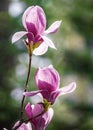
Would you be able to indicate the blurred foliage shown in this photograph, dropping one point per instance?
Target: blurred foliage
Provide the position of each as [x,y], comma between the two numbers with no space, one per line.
[73,60]
[7,64]
[81,15]
[81,63]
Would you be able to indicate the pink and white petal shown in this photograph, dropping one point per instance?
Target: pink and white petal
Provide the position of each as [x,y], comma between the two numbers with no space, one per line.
[68,89]
[53,28]
[41,20]
[48,42]
[37,109]
[28,110]
[25,16]
[32,93]
[16,124]
[47,117]
[42,49]
[18,35]
[25,127]
[50,115]
[28,126]
[47,79]
[65,90]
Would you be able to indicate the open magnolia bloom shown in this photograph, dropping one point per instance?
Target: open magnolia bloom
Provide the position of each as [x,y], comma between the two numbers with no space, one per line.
[24,126]
[38,117]
[47,80]
[34,22]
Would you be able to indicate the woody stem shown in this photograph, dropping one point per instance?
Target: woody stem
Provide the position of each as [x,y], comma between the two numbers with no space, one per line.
[26,84]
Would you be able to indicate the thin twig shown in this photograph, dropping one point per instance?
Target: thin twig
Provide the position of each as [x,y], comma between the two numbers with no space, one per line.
[26,87]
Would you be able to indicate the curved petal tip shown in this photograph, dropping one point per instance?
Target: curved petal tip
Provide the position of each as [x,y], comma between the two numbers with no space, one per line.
[18,35]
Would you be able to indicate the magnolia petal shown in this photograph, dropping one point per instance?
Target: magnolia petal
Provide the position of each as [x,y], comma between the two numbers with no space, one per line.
[47,79]
[53,28]
[46,119]
[37,109]
[50,115]
[16,124]
[34,20]
[32,93]
[68,89]
[24,126]
[28,110]
[18,35]
[34,110]
[41,20]
[48,42]
[28,125]
[25,15]
[42,49]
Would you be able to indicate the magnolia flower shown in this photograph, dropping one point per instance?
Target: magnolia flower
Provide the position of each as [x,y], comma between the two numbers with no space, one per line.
[47,80]
[37,117]
[24,126]
[34,22]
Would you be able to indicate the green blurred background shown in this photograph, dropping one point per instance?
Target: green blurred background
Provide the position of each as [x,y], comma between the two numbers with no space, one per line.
[73,60]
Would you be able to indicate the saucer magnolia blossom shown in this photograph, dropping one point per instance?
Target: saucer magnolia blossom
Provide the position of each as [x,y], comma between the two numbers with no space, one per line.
[47,80]
[34,22]
[38,117]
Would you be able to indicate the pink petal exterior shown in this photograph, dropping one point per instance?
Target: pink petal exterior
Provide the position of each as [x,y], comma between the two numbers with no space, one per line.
[68,89]
[42,49]
[64,90]
[34,20]
[49,115]
[53,28]
[25,15]
[48,77]
[24,126]
[48,42]
[32,111]
[42,120]
[32,93]
[18,35]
